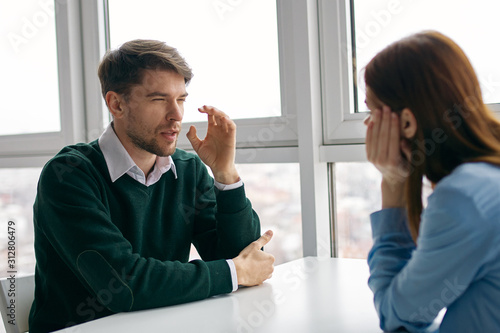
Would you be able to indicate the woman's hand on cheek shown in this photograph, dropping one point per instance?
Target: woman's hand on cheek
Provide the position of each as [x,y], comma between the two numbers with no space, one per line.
[383,148]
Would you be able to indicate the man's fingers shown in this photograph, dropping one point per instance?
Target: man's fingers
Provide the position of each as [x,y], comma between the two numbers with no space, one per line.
[212,111]
[193,138]
[218,118]
[223,122]
[264,239]
[228,125]
[211,117]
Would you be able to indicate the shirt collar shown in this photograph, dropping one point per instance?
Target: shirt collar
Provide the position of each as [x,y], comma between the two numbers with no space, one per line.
[119,161]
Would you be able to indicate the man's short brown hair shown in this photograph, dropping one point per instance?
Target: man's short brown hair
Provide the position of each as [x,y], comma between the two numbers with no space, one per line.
[124,67]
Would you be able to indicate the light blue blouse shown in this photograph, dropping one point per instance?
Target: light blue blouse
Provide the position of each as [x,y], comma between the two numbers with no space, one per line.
[456,264]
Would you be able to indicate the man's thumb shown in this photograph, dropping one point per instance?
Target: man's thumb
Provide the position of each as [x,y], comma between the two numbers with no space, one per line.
[264,239]
[193,138]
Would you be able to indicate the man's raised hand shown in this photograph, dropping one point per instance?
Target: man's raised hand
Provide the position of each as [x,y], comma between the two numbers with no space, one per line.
[217,150]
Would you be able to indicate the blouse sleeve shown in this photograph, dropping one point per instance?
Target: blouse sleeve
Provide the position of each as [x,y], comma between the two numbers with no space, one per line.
[412,284]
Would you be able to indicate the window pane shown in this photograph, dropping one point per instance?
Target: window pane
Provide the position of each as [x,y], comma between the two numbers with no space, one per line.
[274,191]
[470,23]
[29,88]
[17,195]
[357,197]
[232,47]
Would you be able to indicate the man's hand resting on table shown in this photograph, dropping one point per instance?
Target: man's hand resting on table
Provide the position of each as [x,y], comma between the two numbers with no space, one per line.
[254,266]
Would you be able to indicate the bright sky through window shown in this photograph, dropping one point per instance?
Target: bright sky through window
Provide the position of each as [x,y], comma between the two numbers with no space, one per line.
[472,24]
[232,47]
[29,85]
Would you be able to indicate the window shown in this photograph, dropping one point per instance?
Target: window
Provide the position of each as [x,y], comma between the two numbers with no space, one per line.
[355,183]
[376,24]
[356,198]
[234,57]
[43,108]
[381,22]
[274,191]
[31,97]
[285,71]
[237,60]
[17,195]
[236,64]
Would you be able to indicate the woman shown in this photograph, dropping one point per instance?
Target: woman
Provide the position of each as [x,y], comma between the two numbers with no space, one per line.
[428,119]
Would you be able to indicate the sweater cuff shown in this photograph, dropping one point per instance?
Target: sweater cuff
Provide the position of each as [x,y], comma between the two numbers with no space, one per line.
[389,220]
[231,201]
[220,277]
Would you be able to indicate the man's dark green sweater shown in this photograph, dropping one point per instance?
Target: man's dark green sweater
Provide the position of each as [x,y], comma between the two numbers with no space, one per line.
[104,247]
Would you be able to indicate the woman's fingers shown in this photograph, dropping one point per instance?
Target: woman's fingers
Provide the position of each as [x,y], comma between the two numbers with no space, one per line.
[384,136]
[394,153]
[374,140]
[368,140]
[383,143]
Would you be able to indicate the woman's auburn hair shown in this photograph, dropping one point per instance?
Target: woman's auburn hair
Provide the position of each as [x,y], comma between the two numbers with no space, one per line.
[430,74]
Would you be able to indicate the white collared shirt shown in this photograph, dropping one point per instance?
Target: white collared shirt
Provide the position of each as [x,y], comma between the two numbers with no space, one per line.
[119,163]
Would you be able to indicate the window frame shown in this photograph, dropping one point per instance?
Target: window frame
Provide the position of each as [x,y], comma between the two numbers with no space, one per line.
[342,125]
[316,128]
[77,124]
[269,132]
[82,37]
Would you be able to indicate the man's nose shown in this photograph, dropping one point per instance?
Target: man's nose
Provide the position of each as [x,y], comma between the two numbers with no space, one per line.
[175,112]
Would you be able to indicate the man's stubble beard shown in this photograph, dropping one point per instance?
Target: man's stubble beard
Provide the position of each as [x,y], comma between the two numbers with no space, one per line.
[151,146]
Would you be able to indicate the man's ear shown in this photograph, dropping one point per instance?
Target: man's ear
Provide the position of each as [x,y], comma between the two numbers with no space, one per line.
[115,104]
[408,123]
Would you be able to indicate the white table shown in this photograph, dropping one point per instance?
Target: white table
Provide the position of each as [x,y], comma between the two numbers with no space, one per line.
[306,295]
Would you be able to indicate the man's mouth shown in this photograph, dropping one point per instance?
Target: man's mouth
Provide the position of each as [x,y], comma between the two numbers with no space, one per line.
[170,135]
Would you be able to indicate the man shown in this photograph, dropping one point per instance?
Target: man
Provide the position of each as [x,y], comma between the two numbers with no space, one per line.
[114,219]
